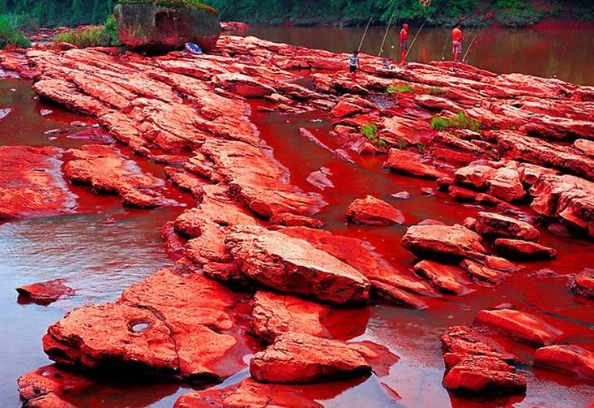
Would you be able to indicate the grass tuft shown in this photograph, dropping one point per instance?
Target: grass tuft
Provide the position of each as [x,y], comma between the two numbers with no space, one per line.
[10,36]
[370,132]
[460,121]
[106,36]
[400,89]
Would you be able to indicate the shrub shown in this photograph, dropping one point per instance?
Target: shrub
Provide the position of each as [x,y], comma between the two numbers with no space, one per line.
[10,36]
[400,89]
[516,13]
[370,132]
[106,36]
[460,121]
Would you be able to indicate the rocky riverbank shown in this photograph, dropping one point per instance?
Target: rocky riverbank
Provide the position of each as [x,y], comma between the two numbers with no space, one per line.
[256,274]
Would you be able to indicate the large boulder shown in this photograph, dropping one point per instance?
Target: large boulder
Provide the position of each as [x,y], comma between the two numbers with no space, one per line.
[160,26]
[570,358]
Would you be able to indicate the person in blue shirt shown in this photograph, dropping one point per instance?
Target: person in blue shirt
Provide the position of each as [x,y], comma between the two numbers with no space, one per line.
[354,65]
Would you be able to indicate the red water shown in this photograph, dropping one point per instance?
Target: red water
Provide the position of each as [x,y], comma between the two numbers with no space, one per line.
[558,50]
[107,247]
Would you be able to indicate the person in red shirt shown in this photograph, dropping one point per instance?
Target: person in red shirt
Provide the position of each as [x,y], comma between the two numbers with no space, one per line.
[457,39]
[403,44]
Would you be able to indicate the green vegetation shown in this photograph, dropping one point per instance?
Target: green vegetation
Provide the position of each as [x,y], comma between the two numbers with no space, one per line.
[400,89]
[50,13]
[460,121]
[10,36]
[370,132]
[35,13]
[435,91]
[198,4]
[92,36]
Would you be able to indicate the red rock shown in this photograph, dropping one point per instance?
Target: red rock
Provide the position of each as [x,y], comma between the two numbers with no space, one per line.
[274,315]
[445,277]
[496,225]
[475,175]
[258,180]
[292,220]
[236,26]
[566,197]
[293,265]
[570,359]
[500,264]
[403,195]
[475,364]
[482,273]
[410,163]
[443,242]
[31,184]
[44,293]
[174,244]
[407,130]
[304,359]
[482,375]
[346,108]
[43,387]
[169,325]
[539,152]
[251,394]
[505,184]
[374,211]
[585,146]
[393,295]
[583,283]
[107,171]
[359,254]
[519,325]
[184,179]
[518,249]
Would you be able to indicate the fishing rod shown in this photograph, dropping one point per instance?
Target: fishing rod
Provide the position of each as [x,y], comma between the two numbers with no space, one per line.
[415,39]
[364,33]
[381,51]
[478,35]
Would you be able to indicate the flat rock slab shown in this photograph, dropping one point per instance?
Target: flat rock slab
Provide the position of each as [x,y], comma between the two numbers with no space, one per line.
[44,387]
[251,394]
[293,265]
[274,315]
[523,250]
[477,365]
[296,358]
[411,163]
[570,359]
[373,211]
[447,278]
[106,170]
[501,226]
[442,242]
[31,183]
[168,325]
[44,293]
[519,325]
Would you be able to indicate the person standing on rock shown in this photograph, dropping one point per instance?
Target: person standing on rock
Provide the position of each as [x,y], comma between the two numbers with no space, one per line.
[354,65]
[457,39]
[403,44]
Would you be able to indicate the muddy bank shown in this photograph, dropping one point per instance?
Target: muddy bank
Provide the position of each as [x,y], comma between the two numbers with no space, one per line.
[257,228]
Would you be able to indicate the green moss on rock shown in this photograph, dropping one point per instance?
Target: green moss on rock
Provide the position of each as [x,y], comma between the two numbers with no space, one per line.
[166,25]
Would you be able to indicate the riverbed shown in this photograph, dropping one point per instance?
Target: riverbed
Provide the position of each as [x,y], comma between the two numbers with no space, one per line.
[104,247]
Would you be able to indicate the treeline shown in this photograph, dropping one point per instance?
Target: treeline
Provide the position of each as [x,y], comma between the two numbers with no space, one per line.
[434,12]
[338,12]
[42,13]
